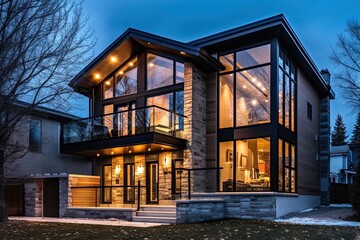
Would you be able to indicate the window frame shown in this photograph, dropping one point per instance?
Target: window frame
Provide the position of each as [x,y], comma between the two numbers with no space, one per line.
[234,71]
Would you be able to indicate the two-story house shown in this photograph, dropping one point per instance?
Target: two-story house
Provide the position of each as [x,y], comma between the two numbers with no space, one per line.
[343,163]
[236,123]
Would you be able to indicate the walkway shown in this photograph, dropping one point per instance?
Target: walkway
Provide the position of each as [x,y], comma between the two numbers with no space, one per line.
[108,222]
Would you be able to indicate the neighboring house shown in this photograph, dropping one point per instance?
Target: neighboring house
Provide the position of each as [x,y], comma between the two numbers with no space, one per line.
[343,164]
[237,121]
[38,158]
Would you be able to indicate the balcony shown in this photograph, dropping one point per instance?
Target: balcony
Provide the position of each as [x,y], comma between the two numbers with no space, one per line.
[135,127]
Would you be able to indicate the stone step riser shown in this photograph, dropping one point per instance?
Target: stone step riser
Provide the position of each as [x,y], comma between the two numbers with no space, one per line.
[156,214]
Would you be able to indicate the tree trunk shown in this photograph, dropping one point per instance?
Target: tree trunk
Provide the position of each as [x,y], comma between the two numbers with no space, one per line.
[3,215]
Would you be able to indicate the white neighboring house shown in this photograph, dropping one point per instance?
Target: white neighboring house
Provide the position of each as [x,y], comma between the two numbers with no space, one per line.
[342,164]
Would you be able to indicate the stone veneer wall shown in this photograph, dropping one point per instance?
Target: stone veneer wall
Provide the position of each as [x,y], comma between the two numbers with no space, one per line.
[119,213]
[195,126]
[33,197]
[64,191]
[193,211]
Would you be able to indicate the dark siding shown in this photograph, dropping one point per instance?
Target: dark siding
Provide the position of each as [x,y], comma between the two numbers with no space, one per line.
[211,126]
[308,131]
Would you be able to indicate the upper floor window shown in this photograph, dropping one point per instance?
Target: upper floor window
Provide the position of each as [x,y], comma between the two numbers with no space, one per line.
[163,72]
[287,84]
[309,110]
[245,85]
[35,135]
[124,80]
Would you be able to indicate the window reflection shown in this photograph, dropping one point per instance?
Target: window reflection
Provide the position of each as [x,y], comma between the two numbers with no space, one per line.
[108,89]
[228,62]
[253,57]
[159,71]
[126,79]
[253,96]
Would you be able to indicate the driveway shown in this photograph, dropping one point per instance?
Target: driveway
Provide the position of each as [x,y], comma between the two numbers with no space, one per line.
[333,215]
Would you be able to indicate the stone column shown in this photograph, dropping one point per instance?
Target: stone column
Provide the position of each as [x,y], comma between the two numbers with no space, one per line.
[63,195]
[33,197]
[195,127]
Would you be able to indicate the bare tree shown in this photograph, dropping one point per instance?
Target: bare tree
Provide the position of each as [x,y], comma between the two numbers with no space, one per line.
[347,59]
[42,46]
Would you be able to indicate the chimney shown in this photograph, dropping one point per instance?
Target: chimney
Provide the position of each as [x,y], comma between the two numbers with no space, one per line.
[326,75]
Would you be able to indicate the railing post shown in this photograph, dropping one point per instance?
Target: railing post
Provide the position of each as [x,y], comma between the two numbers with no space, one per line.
[138,204]
[189,187]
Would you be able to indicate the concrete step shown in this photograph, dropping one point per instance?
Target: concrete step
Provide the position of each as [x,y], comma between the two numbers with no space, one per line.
[154,219]
[156,214]
[159,208]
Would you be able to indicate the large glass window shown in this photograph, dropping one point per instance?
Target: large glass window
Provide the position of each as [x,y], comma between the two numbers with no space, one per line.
[108,119]
[126,79]
[287,91]
[164,120]
[160,71]
[251,69]
[226,95]
[250,162]
[226,156]
[287,166]
[35,135]
[108,88]
[252,96]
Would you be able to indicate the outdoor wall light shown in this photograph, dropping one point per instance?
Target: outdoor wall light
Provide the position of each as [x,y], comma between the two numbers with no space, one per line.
[117,169]
[140,169]
[165,166]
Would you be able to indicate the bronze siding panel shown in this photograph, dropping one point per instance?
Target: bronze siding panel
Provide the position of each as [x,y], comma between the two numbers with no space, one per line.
[308,131]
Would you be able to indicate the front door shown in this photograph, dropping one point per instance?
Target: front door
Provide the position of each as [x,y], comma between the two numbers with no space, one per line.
[176,176]
[51,197]
[107,182]
[152,182]
[126,119]
[129,177]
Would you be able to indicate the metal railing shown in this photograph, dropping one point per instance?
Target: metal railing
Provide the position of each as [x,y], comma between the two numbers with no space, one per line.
[188,177]
[124,123]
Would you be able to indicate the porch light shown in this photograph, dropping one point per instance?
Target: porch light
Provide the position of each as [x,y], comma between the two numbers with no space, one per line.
[131,64]
[98,154]
[183,53]
[97,76]
[149,149]
[140,169]
[117,169]
[112,153]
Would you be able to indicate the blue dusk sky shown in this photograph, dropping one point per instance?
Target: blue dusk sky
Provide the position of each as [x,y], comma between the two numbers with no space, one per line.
[316,23]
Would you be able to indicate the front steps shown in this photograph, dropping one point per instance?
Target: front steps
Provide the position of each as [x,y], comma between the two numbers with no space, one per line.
[156,214]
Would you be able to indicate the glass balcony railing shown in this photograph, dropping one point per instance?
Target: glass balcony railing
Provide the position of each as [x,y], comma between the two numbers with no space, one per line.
[124,123]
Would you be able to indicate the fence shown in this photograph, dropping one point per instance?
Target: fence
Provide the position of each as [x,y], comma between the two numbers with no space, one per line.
[341,193]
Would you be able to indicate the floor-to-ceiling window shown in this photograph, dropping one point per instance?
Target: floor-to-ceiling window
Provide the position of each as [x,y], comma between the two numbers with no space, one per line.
[246,88]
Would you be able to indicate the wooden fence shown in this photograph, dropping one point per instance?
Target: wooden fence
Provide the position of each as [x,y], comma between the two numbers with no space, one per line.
[341,193]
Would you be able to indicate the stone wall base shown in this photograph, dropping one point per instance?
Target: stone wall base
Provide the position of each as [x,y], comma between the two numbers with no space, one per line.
[100,213]
[264,206]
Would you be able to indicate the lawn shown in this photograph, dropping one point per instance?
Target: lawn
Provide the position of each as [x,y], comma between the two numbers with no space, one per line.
[227,229]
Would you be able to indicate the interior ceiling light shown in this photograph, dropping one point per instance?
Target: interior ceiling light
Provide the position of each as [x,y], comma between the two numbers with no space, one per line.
[149,149]
[148,43]
[244,86]
[129,151]
[151,64]
[108,83]
[254,102]
[259,84]
[121,72]
[253,79]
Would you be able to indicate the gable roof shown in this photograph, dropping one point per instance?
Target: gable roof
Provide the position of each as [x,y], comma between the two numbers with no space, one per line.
[133,41]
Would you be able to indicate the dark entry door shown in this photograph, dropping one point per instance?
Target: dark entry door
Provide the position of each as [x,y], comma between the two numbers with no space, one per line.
[129,180]
[51,197]
[14,198]
[152,182]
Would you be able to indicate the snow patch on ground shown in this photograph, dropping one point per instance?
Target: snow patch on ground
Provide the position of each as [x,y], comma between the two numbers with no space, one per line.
[345,205]
[313,221]
[307,210]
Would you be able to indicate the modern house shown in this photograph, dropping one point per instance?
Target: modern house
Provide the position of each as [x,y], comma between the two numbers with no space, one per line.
[232,125]
[38,163]
[343,163]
